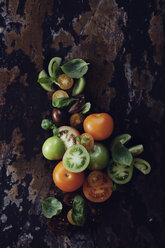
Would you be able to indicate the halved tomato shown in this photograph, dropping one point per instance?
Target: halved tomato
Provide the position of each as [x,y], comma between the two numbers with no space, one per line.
[97,187]
[65,82]
[68,135]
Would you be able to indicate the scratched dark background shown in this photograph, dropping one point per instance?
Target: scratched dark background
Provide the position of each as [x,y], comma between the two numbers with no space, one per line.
[124,43]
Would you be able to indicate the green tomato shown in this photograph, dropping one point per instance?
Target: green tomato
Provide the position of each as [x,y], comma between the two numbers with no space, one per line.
[99,157]
[53,148]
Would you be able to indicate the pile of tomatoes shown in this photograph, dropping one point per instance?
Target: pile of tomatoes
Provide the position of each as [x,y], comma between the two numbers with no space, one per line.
[82,155]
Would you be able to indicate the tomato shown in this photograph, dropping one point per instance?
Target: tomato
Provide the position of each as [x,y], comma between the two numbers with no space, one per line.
[59,94]
[65,180]
[100,126]
[120,174]
[99,157]
[65,82]
[70,219]
[59,116]
[87,141]
[97,186]
[76,120]
[76,158]
[68,135]
[53,148]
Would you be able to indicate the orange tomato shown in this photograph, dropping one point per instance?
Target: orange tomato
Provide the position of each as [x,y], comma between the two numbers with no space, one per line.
[100,125]
[65,180]
[97,187]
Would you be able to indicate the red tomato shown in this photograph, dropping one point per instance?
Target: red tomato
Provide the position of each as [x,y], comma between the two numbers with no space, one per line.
[100,126]
[65,180]
[97,186]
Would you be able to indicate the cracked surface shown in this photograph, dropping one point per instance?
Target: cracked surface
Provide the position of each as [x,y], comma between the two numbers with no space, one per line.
[124,43]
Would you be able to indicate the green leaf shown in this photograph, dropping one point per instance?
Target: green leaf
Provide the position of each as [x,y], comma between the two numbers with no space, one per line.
[62,102]
[42,74]
[47,124]
[78,139]
[55,131]
[45,86]
[75,68]
[121,155]
[86,108]
[51,207]
[79,210]
[84,140]
[53,65]
[113,188]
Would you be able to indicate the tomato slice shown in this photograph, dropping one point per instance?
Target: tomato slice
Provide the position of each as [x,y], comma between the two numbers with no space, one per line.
[68,135]
[78,87]
[76,158]
[59,94]
[97,187]
[65,82]
[70,219]
[142,165]
[120,174]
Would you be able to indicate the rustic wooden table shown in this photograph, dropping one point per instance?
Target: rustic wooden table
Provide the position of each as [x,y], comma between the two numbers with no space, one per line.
[124,43]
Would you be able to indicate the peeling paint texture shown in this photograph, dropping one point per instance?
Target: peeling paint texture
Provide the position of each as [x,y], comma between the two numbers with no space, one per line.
[124,43]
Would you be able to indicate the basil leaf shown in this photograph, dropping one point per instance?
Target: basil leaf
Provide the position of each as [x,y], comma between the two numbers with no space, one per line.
[121,155]
[45,86]
[42,74]
[47,124]
[62,102]
[75,68]
[113,188]
[84,140]
[53,65]
[86,108]
[51,207]
[78,139]
[79,210]
[55,131]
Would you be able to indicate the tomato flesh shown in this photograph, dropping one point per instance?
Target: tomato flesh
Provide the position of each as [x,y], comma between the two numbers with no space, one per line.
[97,192]
[76,158]
[65,82]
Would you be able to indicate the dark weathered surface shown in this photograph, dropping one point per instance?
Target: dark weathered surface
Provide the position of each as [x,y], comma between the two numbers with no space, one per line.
[124,43]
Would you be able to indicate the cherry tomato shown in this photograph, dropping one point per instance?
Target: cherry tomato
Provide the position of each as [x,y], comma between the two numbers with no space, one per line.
[59,94]
[97,187]
[59,117]
[100,126]
[65,180]
[87,141]
[65,82]
[76,120]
